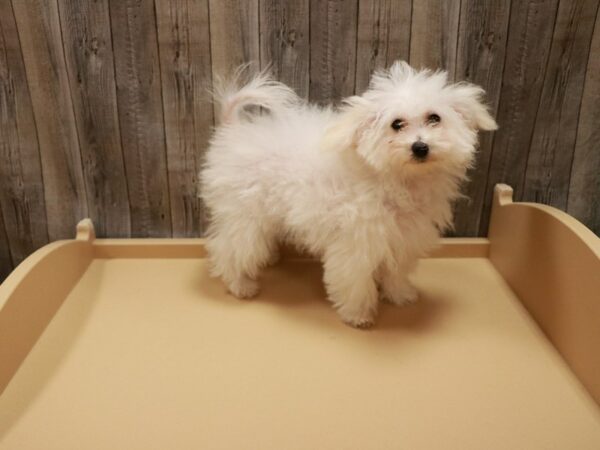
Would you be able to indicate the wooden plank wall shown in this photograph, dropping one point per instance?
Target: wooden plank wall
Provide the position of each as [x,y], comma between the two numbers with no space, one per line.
[104,111]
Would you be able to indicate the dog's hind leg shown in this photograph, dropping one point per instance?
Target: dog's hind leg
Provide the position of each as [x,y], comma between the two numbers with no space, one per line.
[237,253]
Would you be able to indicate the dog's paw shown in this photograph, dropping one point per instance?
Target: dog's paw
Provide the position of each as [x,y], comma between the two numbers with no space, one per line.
[357,320]
[361,324]
[405,295]
[244,288]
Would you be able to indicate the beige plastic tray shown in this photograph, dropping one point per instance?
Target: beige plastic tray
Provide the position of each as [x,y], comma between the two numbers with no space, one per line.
[128,344]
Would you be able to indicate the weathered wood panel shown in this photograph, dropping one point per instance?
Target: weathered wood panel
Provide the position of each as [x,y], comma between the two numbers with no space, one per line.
[64,188]
[480,60]
[553,143]
[383,36]
[184,44]
[584,189]
[88,52]
[6,264]
[21,187]
[284,44]
[434,34]
[527,50]
[234,37]
[141,115]
[333,28]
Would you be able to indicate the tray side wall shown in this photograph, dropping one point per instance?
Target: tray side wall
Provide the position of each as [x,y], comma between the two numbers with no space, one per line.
[194,248]
[552,262]
[32,294]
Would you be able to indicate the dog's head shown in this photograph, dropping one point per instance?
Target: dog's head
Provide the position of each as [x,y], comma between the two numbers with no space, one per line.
[412,121]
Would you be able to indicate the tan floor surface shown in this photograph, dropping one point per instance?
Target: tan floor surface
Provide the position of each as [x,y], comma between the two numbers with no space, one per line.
[150,354]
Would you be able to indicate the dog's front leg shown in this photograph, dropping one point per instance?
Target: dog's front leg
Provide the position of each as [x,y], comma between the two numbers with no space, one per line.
[395,287]
[350,285]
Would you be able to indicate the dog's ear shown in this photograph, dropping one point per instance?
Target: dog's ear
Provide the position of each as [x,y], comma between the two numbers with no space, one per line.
[467,100]
[354,119]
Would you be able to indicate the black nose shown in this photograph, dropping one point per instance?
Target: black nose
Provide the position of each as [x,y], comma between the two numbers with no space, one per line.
[420,150]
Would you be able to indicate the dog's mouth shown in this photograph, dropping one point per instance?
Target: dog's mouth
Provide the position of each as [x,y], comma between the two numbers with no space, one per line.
[424,159]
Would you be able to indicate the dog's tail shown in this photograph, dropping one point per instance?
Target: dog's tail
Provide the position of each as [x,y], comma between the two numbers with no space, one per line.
[246,90]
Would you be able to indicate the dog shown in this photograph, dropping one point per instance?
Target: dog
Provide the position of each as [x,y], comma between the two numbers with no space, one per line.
[367,187]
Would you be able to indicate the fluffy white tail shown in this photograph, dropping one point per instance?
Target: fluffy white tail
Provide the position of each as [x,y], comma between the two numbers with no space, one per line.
[260,90]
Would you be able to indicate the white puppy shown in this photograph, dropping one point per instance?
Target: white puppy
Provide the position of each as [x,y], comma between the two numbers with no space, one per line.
[367,188]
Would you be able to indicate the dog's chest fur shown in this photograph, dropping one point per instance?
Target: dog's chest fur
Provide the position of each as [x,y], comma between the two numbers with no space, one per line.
[412,204]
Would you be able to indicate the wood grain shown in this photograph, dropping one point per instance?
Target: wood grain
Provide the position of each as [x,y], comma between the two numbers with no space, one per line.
[234,37]
[64,188]
[434,34]
[383,36]
[527,50]
[553,143]
[6,264]
[481,49]
[184,44]
[141,115]
[21,187]
[333,34]
[584,187]
[88,52]
[284,42]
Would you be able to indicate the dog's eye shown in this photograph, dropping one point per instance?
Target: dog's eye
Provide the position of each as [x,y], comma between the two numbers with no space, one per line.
[398,124]
[434,118]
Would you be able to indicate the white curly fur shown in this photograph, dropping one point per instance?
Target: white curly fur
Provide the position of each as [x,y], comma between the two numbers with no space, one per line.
[341,184]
